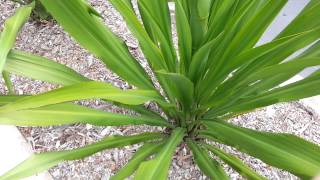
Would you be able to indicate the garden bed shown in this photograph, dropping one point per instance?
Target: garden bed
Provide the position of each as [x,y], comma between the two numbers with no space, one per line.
[49,40]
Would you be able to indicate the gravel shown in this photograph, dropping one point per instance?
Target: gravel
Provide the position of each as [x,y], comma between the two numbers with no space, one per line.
[48,39]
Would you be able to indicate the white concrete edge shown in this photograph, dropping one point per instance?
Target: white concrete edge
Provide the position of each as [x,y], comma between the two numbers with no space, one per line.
[312,103]
[171,6]
[15,149]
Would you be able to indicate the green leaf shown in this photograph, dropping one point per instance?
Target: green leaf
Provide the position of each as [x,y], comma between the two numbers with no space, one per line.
[150,50]
[157,23]
[153,54]
[293,66]
[226,13]
[304,21]
[40,162]
[66,114]
[8,99]
[11,28]
[257,58]
[84,25]
[276,50]
[144,152]
[81,91]
[7,81]
[239,36]
[184,37]
[245,92]
[204,7]
[158,167]
[249,35]
[231,18]
[129,3]
[207,165]
[141,109]
[200,58]
[198,26]
[186,7]
[284,151]
[40,68]
[218,55]
[235,163]
[220,15]
[179,87]
[160,15]
[313,51]
[307,87]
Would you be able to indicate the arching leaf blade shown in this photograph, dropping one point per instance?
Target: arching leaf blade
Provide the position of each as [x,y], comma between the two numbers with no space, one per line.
[41,68]
[67,114]
[84,25]
[10,31]
[208,166]
[81,91]
[144,152]
[40,162]
[235,163]
[8,99]
[184,37]
[304,21]
[157,168]
[157,23]
[269,147]
[150,50]
[178,87]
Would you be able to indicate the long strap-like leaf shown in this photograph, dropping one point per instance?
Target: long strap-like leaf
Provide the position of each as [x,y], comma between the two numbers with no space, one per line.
[157,23]
[66,114]
[307,87]
[8,99]
[256,59]
[184,36]
[308,14]
[8,37]
[150,50]
[11,28]
[178,87]
[144,152]
[235,163]
[158,167]
[266,79]
[40,162]
[208,165]
[296,65]
[81,91]
[284,151]
[218,56]
[41,68]
[84,25]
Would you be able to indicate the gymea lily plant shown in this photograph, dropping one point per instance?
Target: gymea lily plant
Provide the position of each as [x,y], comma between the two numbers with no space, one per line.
[217,72]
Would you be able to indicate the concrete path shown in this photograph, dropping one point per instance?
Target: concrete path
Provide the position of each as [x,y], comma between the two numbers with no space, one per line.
[14,149]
